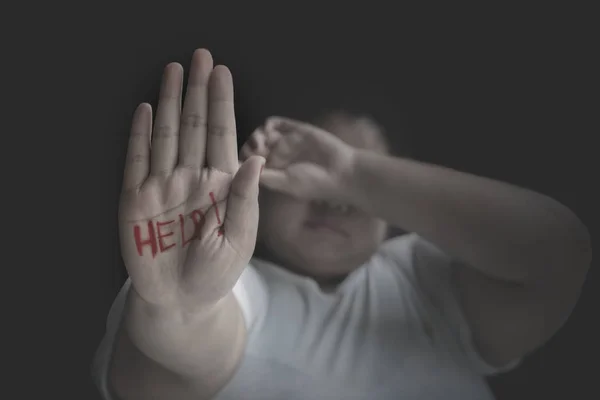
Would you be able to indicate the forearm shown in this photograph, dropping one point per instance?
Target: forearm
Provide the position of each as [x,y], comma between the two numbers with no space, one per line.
[504,231]
[173,357]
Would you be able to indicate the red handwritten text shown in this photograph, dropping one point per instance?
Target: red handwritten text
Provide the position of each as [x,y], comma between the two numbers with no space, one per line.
[159,235]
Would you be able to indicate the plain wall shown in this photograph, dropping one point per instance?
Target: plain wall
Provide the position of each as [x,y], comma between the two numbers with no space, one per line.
[494,105]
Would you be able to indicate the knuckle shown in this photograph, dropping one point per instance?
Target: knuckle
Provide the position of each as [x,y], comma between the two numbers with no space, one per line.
[191,168]
[193,120]
[138,141]
[222,101]
[138,133]
[163,132]
[221,130]
[162,172]
[138,159]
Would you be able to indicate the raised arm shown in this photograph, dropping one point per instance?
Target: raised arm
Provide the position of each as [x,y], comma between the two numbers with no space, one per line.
[188,220]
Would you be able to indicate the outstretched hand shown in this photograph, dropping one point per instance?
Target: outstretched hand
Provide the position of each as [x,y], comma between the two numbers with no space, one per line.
[303,161]
[188,212]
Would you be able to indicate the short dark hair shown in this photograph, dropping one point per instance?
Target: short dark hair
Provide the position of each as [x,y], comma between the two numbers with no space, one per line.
[315,101]
[378,140]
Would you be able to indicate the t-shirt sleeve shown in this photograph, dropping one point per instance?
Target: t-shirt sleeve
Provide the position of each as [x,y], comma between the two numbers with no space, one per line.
[250,292]
[429,271]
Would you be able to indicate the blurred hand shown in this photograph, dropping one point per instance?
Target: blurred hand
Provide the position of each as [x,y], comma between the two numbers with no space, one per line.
[188,212]
[303,160]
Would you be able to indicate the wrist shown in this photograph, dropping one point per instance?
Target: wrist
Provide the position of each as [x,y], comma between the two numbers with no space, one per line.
[141,313]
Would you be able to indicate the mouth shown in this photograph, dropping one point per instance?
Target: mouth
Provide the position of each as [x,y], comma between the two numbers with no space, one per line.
[327,227]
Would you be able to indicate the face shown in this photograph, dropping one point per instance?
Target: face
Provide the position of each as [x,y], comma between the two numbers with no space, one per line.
[318,239]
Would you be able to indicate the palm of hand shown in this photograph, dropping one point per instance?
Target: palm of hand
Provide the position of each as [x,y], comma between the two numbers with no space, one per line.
[173,225]
[184,238]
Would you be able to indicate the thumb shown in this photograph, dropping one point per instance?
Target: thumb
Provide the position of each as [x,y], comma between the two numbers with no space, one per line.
[242,202]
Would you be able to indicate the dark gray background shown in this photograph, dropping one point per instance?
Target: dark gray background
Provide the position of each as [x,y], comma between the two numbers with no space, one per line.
[500,97]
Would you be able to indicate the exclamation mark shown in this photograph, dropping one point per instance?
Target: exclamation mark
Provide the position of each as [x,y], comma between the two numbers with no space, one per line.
[214,202]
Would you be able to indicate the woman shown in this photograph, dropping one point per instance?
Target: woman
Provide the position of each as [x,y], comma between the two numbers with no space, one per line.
[328,308]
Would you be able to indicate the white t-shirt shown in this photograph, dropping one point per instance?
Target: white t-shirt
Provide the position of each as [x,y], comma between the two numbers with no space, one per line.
[392,330]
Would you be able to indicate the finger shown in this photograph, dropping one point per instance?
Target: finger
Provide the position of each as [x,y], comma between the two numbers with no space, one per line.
[249,147]
[192,140]
[285,150]
[222,138]
[137,163]
[255,145]
[272,137]
[245,152]
[283,124]
[241,220]
[166,126]
[264,141]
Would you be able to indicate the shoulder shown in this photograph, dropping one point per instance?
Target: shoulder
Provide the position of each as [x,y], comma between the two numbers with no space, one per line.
[410,250]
